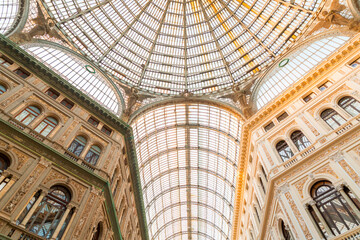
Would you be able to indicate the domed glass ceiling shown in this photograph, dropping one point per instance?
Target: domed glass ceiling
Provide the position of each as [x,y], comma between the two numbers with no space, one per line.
[175,46]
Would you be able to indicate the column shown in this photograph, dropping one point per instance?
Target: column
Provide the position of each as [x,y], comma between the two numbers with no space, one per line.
[340,188]
[62,220]
[306,206]
[322,220]
[287,228]
[32,210]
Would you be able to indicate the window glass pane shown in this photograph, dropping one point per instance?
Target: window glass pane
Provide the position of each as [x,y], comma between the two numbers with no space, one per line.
[299,64]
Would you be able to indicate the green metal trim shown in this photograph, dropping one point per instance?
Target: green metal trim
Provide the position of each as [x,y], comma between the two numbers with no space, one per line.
[27,61]
[61,161]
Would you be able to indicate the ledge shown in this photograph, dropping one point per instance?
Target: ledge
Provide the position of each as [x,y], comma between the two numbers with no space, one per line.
[27,61]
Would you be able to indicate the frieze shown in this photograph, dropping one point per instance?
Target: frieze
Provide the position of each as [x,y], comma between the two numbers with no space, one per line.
[312,128]
[21,157]
[299,185]
[298,216]
[268,155]
[54,175]
[79,188]
[327,169]
[328,99]
[350,171]
[49,107]
[289,220]
[13,97]
[9,208]
[84,216]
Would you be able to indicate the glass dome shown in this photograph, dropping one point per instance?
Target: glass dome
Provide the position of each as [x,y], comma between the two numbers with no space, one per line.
[9,12]
[172,47]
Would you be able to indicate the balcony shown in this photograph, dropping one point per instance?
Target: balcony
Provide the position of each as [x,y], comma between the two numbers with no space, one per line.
[353,122]
[349,235]
[13,231]
[80,161]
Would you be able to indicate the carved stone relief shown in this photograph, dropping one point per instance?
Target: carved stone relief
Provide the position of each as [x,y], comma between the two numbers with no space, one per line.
[10,206]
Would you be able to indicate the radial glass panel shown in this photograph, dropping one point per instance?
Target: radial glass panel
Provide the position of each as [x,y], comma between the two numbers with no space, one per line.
[187,157]
[79,74]
[9,12]
[298,65]
[173,46]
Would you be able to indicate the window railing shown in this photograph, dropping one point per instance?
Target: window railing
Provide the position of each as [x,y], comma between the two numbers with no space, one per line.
[352,234]
[18,233]
[77,159]
[24,127]
[338,131]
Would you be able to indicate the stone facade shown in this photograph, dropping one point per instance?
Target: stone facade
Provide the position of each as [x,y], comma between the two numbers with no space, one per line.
[99,193]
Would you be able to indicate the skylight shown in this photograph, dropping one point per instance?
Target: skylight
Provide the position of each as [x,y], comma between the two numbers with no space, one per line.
[8,14]
[172,46]
[79,73]
[295,66]
[187,155]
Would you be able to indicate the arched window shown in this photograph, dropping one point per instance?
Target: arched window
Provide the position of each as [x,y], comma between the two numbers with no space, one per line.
[2,89]
[93,155]
[46,126]
[97,233]
[4,163]
[300,140]
[284,150]
[332,118]
[28,115]
[49,212]
[334,208]
[77,146]
[285,231]
[28,207]
[350,105]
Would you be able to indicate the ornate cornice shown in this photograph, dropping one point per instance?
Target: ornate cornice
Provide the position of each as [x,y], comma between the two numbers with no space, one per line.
[27,61]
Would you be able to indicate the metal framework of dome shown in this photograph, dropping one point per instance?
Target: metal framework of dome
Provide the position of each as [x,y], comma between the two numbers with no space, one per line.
[176,46]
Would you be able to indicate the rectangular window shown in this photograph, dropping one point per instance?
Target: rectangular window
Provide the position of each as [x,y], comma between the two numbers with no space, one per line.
[309,97]
[67,103]
[52,93]
[22,73]
[355,63]
[5,61]
[93,121]
[282,116]
[269,126]
[324,86]
[106,130]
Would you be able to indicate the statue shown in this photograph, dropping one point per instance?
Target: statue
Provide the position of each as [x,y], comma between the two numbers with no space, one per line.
[241,96]
[42,27]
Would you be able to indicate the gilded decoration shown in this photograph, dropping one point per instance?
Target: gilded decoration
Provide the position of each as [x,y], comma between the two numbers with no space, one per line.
[350,171]
[21,157]
[289,219]
[298,216]
[328,99]
[310,126]
[49,107]
[13,97]
[299,185]
[327,169]
[268,155]
[283,131]
[9,208]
